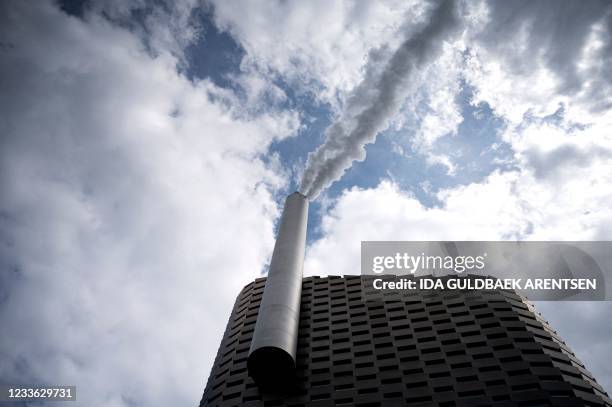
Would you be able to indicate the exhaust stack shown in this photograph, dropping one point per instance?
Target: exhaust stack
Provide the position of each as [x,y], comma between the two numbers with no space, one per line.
[272,357]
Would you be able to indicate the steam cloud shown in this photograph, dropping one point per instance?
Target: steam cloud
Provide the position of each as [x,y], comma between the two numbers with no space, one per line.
[375,101]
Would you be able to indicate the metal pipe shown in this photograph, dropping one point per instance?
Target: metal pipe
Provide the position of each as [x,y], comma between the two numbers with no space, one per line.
[272,356]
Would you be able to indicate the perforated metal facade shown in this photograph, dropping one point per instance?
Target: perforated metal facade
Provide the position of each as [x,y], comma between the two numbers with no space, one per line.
[485,348]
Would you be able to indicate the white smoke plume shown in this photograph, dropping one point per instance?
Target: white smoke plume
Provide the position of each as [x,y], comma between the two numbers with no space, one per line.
[376,100]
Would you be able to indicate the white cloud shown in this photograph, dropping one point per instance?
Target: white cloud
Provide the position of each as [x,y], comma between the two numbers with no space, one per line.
[512,96]
[525,59]
[443,160]
[134,207]
[433,110]
[387,213]
[571,204]
[168,26]
[318,45]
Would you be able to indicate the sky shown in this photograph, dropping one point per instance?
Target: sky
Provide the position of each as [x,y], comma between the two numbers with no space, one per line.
[147,148]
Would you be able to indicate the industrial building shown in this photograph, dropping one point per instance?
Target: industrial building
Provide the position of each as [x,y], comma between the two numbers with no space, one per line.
[337,341]
[479,348]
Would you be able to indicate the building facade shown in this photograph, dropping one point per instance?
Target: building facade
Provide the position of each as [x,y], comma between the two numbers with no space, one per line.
[357,347]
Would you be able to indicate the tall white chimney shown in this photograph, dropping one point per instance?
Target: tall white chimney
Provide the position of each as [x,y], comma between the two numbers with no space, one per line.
[272,356]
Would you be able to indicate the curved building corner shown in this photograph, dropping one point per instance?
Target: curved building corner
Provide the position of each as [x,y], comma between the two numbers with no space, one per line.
[486,348]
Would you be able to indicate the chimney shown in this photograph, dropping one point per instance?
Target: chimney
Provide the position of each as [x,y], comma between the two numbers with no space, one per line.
[272,356]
